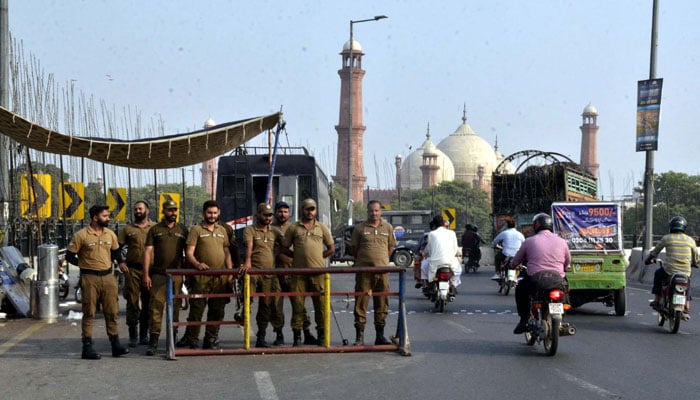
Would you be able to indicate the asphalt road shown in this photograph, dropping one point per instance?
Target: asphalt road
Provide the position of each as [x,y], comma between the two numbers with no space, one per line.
[468,352]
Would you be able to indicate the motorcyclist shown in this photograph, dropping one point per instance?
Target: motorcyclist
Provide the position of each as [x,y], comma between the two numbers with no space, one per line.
[681,255]
[442,249]
[471,240]
[544,254]
[509,242]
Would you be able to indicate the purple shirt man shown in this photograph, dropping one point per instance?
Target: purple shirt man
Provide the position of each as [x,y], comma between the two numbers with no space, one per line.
[544,251]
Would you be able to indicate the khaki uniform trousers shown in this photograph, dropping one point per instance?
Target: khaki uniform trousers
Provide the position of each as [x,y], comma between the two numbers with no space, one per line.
[267,305]
[137,298]
[278,317]
[365,282]
[159,289]
[307,283]
[215,307]
[103,290]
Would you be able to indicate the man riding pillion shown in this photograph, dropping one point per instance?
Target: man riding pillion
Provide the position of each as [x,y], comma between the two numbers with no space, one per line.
[509,241]
[681,255]
[544,254]
[442,249]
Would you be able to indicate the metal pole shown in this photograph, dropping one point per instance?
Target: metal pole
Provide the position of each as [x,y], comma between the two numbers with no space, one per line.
[649,165]
[5,152]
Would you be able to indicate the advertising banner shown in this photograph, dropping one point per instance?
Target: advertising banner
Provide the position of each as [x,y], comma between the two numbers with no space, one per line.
[648,111]
[589,226]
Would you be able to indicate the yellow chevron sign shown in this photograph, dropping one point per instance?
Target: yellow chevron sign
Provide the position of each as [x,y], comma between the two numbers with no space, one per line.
[73,193]
[35,196]
[116,201]
[172,197]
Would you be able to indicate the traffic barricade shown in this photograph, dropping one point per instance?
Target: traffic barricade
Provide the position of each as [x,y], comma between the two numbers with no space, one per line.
[400,341]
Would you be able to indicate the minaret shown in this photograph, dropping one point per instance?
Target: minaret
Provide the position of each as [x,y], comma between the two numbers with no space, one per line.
[397,163]
[351,54]
[429,168]
[589,142]
[209,168]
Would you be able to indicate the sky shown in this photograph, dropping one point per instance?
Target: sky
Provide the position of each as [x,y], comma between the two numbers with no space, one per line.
[524,70]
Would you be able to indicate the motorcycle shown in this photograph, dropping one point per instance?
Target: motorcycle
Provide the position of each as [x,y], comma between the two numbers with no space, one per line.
[508,277]
[674,294]
[545,324]
[470,262]
[441,291]
[63,278]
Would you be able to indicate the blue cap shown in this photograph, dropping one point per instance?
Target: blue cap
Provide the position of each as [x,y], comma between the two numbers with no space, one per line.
[281,204]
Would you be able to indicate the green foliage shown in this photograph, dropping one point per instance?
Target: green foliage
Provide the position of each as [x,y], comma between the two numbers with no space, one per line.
[675,193]
[471,205]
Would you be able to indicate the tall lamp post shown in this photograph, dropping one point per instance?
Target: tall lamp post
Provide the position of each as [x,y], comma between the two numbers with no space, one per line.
[350,128]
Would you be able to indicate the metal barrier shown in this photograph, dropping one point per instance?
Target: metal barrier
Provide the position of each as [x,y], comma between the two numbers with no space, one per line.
[400,341]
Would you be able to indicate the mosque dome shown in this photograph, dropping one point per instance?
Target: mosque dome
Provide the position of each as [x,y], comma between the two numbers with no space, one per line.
[355,46]
[410,173]
[590,109]
[468,151]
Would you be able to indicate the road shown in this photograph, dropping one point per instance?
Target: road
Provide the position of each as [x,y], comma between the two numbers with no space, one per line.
[468,352]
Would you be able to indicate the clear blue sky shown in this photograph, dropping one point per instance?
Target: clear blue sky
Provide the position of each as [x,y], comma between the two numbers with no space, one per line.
[525,70]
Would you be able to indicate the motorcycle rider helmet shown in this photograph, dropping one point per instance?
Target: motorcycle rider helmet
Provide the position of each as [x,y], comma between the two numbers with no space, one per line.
[677,224]
[475,228]
[542,221]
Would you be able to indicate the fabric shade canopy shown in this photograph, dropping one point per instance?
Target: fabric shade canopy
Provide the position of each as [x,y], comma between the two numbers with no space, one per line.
[172,151]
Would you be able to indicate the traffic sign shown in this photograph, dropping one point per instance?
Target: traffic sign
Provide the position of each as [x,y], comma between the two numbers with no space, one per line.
[170,197]
[450,215]
[74,195]
[36,196]
[116,201]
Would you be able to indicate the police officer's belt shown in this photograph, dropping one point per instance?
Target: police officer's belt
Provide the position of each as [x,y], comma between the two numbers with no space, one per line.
[95,272]
[134,265]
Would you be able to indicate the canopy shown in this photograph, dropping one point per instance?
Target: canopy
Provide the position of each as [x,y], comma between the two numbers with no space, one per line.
[172,151]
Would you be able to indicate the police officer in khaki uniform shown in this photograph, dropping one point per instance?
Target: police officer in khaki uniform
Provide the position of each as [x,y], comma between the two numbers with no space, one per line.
[260,239]
[93,249]
[165,249]
[284,261]
[372,243]
[309,238]
[207,247]
[133,237]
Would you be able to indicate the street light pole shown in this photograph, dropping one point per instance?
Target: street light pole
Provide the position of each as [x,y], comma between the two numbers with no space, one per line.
[350,127]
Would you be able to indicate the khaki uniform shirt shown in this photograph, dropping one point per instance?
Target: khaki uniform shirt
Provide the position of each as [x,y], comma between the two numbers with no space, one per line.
[372,244]
[263,256]
[309,244]
[168,246]
[93,250]
[134,237]
[282,260]
[209,245]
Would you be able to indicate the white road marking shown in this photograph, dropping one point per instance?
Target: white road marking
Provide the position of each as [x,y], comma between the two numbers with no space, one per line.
[265,387]
[586,385]
[462,328]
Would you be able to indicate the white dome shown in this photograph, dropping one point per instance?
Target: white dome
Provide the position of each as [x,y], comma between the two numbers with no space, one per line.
[209,123]
[355,45]
[412,176]
[590,109]
[468,152]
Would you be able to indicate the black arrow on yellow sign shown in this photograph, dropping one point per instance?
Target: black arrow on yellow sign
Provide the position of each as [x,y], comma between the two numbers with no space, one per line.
[449,215]
[75,202]
[119,205]
[40,196]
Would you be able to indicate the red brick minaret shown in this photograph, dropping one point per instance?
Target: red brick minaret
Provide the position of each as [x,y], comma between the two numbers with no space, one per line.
[589,141]
[209,169]
[351,54]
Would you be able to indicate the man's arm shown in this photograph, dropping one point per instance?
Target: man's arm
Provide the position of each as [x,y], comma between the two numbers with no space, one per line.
[147,259]
[189,255]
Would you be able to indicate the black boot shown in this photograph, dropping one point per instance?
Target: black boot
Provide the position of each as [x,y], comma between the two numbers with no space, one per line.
[309,338]
[359,336]
[279,340]
[133,335]
[88,352]
[297,338]
[117,348]
[380,340]
[143,334]
[261,340]
[321,336]
[152,345]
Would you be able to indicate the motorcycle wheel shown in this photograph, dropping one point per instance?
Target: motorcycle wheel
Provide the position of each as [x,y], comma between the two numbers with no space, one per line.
[440,305]
[674,322]
[529,337]
[78,295]
[507,289]
[660,319]
[551,335]
[63,290]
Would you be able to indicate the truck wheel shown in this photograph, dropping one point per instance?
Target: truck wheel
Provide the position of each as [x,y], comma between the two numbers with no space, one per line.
[403,259]
[620,298]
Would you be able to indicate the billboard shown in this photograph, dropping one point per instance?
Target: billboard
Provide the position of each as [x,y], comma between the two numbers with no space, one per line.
[648,112]
[589,226]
